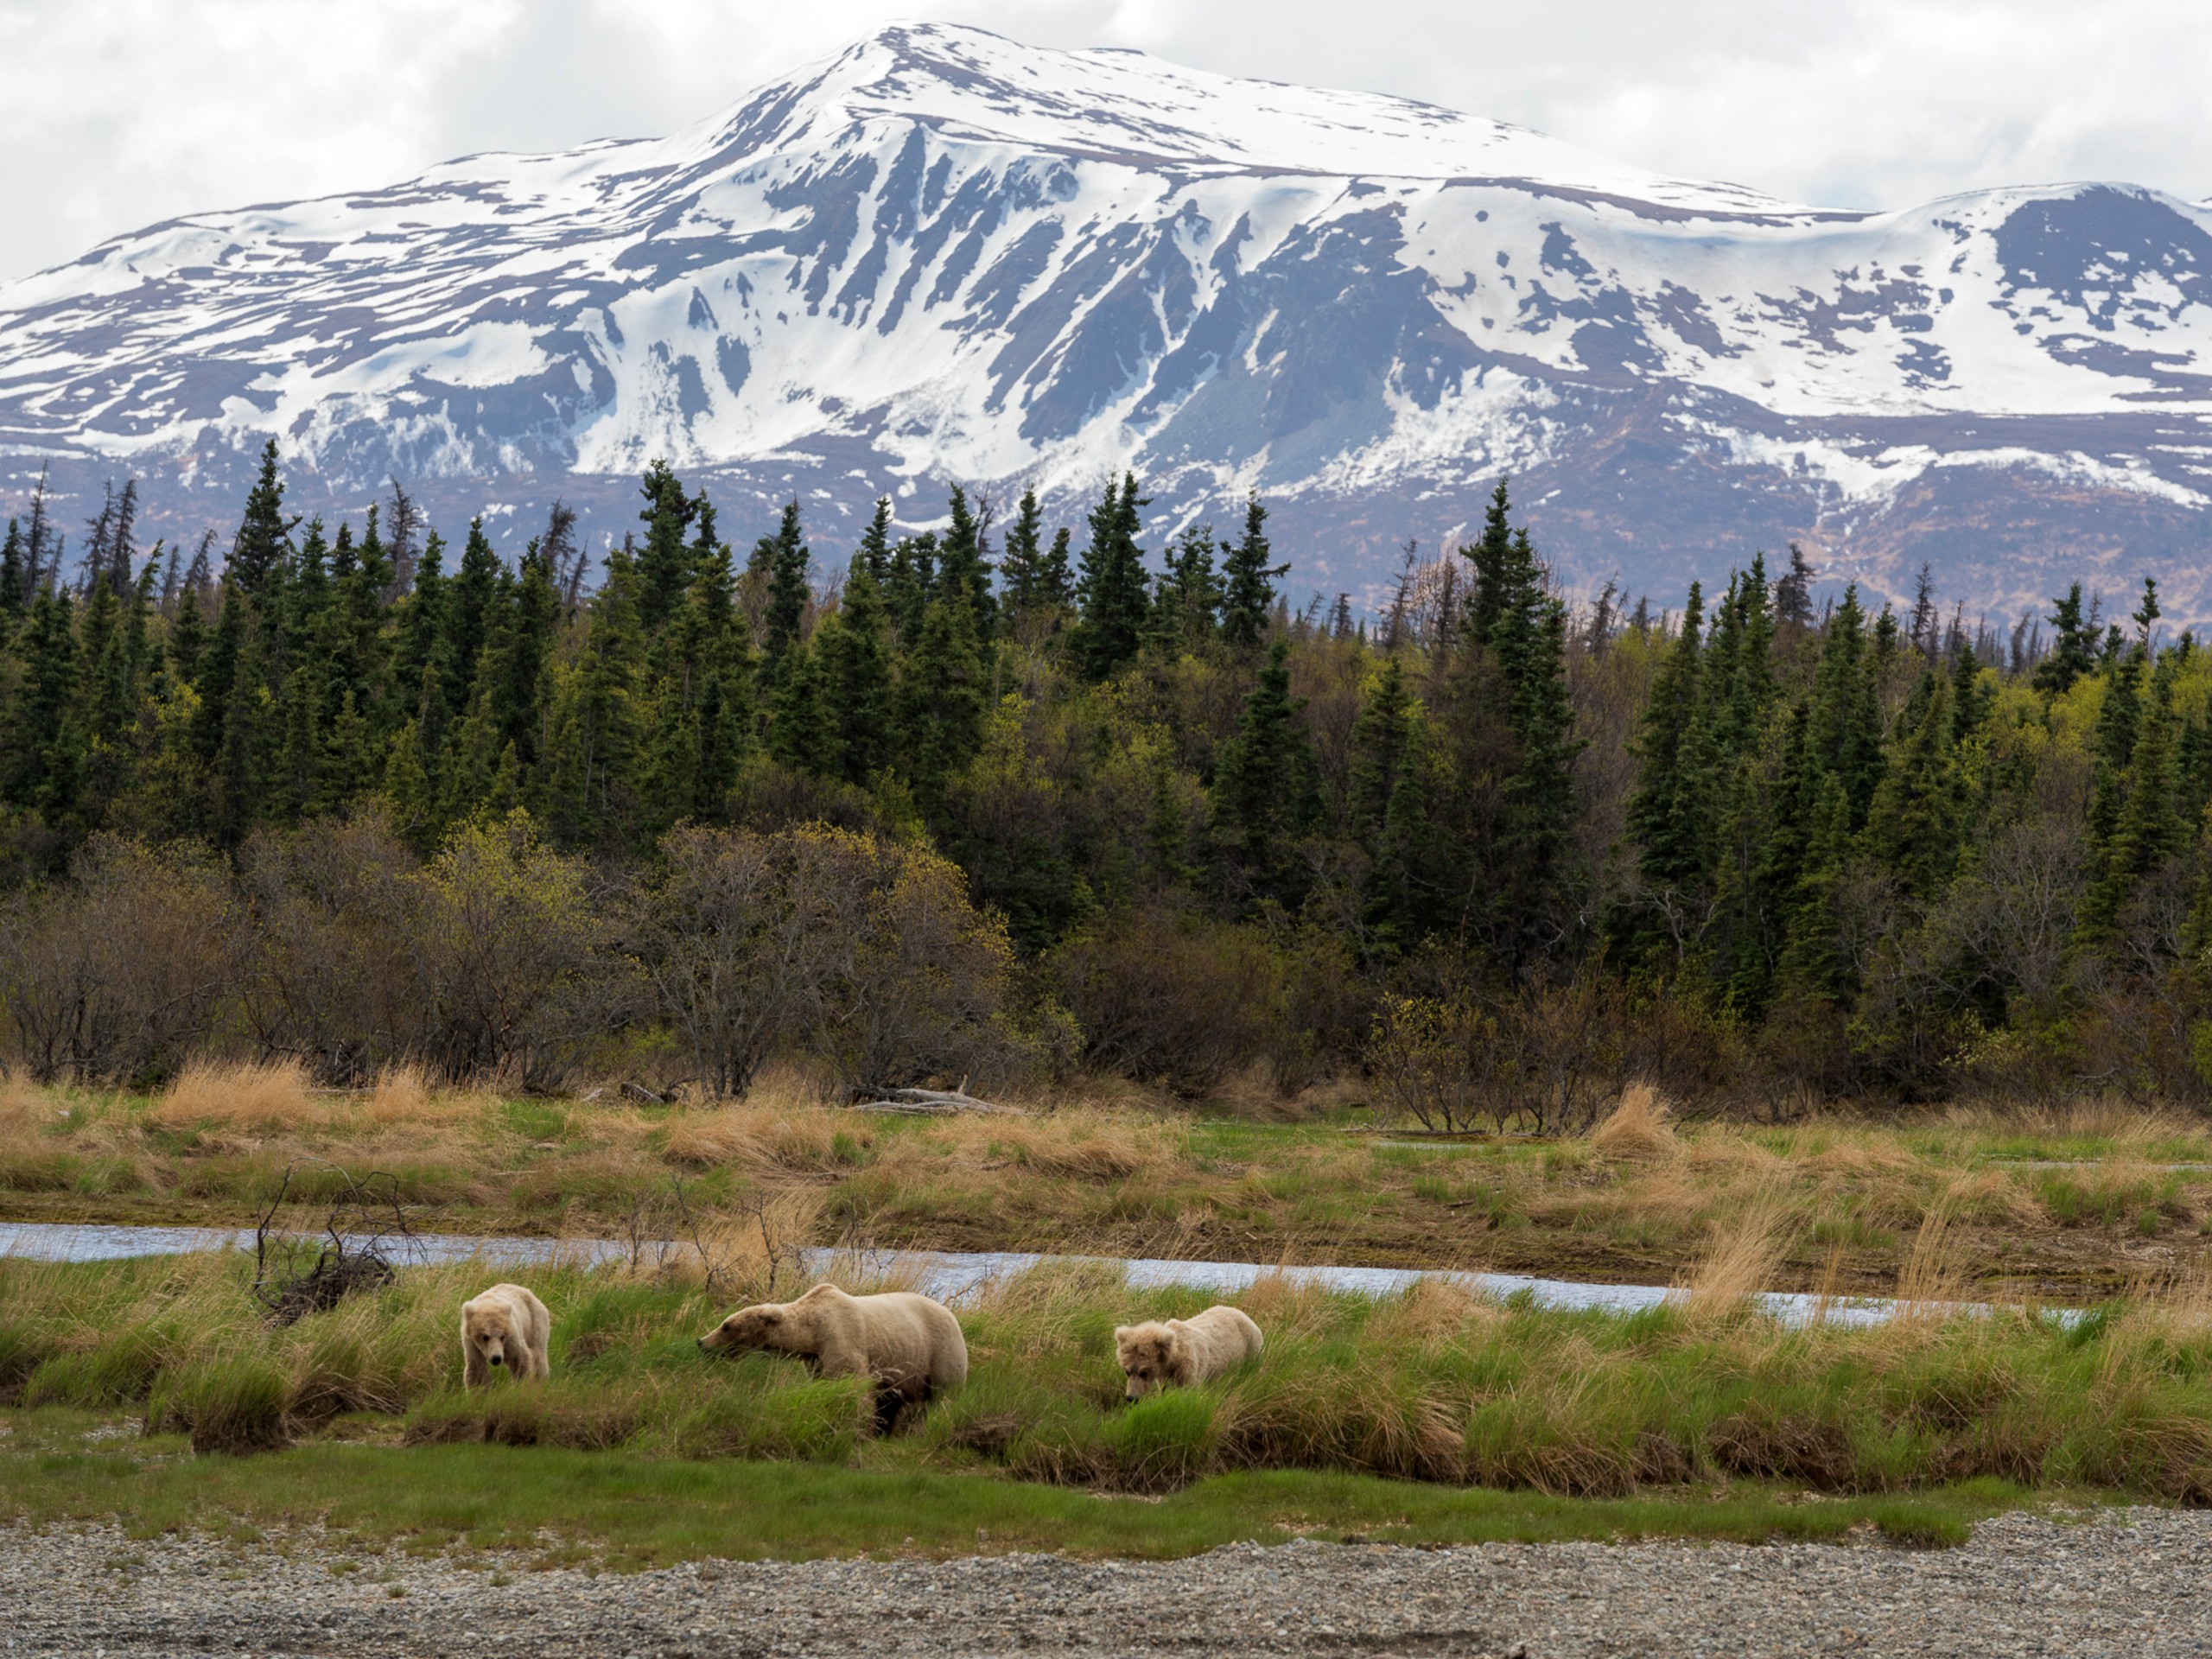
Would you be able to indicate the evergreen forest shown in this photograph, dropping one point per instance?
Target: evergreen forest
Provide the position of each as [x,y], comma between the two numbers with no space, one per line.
[1487,852]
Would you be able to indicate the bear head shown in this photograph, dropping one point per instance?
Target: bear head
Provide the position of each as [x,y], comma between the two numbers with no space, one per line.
[490,1332]
[761,1327]
[1150,1356]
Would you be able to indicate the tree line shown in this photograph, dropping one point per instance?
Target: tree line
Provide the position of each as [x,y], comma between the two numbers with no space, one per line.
[1758,848]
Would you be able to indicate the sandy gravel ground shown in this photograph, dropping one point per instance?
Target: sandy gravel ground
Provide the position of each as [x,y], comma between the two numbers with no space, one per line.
[2135,1583]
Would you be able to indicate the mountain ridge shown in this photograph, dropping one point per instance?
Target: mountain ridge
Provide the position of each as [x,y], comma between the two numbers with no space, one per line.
[850,281]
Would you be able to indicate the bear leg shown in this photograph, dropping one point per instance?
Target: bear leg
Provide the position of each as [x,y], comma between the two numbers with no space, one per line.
[888,1401]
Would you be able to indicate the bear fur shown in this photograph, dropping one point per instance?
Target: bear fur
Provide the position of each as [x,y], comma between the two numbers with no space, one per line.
[1183,1353]
[505,1326]
[911,1345]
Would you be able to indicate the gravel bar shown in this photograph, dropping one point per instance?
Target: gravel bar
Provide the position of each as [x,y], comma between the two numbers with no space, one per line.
[2134,1582]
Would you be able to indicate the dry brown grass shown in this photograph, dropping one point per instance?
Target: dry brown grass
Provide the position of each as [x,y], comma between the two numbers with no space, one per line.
[257,1095]
[1285,1307]
[1667,1194]
[1931,1282]
[1086,1144]
[1991,1198]
[24,1107]
[405,1095]
[760,1138]
[2112,1117]
[1739,1262]
[1865,1154]
[1433,1316]
[1728,1151]
[747,1257]
[1640,1128]
[2178,1312]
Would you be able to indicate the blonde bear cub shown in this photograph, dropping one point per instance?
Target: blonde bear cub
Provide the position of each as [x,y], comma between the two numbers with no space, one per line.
[507,1327]
[1183,1353]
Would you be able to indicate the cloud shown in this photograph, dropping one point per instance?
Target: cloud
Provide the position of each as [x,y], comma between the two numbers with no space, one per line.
[116,113]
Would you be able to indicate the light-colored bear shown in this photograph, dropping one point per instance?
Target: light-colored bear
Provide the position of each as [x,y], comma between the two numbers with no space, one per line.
[507,1327]
[910,1344]
[1183,1353]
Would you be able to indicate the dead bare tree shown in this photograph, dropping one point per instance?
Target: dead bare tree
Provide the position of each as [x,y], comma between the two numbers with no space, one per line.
[365,1226]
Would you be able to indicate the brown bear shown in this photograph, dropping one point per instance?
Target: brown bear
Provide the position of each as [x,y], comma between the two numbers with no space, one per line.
[508,1326]
[910,1344]
[1182,1353]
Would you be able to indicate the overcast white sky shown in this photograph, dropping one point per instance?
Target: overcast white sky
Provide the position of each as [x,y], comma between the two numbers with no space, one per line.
[116,114]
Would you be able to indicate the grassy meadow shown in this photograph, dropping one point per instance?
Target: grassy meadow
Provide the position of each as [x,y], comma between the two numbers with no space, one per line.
[125,1388]
[1431,1413]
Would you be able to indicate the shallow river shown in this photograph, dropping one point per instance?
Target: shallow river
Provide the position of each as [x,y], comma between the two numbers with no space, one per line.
[950,1275]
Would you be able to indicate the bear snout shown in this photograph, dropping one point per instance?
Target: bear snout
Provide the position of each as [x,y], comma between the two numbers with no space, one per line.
[498,1359]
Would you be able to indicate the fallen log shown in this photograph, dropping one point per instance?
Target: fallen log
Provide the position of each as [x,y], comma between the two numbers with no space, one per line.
[934,1103]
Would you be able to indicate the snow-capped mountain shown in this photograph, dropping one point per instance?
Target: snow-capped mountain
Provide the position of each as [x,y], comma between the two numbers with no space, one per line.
[942,255]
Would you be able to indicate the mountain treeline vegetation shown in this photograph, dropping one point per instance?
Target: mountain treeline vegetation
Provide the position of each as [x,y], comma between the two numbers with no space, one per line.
[1002,800]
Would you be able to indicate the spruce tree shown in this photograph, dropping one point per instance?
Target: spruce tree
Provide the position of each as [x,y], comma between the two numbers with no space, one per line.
[963,567]
[801,735]
[1793,594]
[1394,905]
[14,582]
[1846,710]
[1113,596]
[117,706]
[42,705]
[664,562]
[1263,785]
[263,543]
[1740,691]
[591,790]
[2073,651]
[220,668]
[1186,612]
[1022,559]
[415,658]
[517,666]
[1491,555]
[855,672]
[1669,809]
[874,551]
[1814,962]
[361,647]
[408,792]
[1249,581]
[2146,829]
[470,609]
[940,701]
[788,560]
[1915,820]
[2111,748]
[910,586]
[1526,648]
[1382,739]
[1056,575]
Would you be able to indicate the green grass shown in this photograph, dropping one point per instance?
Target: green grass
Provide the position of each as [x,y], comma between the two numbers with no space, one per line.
[627,1510]
[1432,1386]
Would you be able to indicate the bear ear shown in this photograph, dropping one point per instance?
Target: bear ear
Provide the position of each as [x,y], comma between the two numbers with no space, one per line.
[1121,1333]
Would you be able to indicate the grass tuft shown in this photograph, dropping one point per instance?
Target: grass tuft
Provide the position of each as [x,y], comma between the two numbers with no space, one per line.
[1640,1126]
[244,1095]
